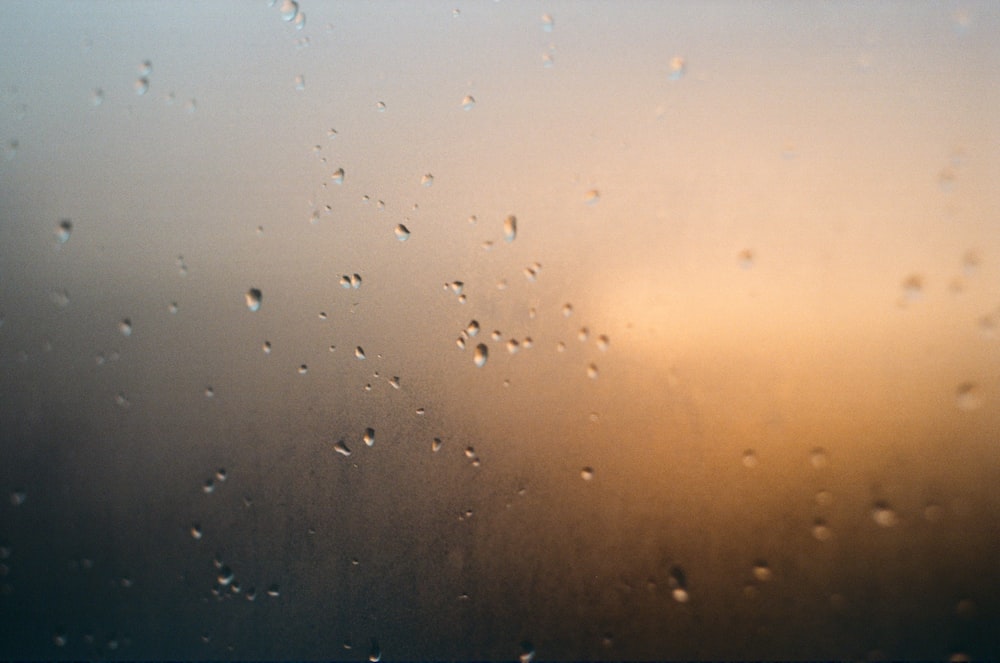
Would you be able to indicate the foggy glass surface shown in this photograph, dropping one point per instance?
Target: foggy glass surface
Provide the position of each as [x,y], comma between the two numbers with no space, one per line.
[492,330]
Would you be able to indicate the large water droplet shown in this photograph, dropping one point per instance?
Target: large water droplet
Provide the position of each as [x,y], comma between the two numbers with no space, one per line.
[253,299]
[402,232]
[481,355]
[510,228]
[289,10]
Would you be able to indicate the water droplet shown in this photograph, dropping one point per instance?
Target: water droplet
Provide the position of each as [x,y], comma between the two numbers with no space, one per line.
[18,497]
[472,328]
[196,532]
[818,458]
[603,342]
[341,448]
[824,498]
[678,67]
[496,335]
[510,228]
[455,286]
[527,654]
[369,437]
[303,369]
[513,346]
[592,197]
[547,23]
[63,230]
[121,401]
[374,652]
[299,23]
[96,97]
[141,86]
[567,310]
[750,458]
[380,106]
[394,382]
[436,444]
[253,298]
[468,102]
[933,512]
[209,392]
[338,176]
[225,576]
[289,10]
[913,287]
[678,585]
[125,327]
[884,515]
[821,531]
[402,232]
[460,342]
[208,487]
[592,371]
[427,180]
[173,307]
[273,591]
[481,355]
[583,334]
[59,639]
[266,347]
[967,396]
[359,352]
[300,82]
[587,473]
[745,258]
[761,571]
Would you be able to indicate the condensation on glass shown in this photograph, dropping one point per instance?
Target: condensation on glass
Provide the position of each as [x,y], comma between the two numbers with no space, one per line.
[499,330]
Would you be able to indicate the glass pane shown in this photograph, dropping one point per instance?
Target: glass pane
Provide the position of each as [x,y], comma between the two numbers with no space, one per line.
[563,330]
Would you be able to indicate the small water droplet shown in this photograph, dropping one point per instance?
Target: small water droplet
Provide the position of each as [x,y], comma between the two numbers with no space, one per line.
[266,347]
[587,473]
[369,437]
[380,106]
[678,67]
[824,498]
[967,396]
[427,180]
[472,328]
[96,97]
[394,382]
[761,571]
[592,371]
[274,591]
[821,531]
[59,639]
[209,392]
[750,458]
[300,82]
[196,532]
[303,369]
[883,515]
[592,197]
[63,231]
[18,497]
[402,232]
[374,652]
[208,487]
[677,582]
[341,448]
[338,176]
[141,86]
[745,258]
[145,68]
[253,299]
[583,334]
[913,287]
[481,355]
[125,327]
[496,335]
[468,102]
[818,458]
[455,286]
[513,346]
[603,342]
[567,310]
[547,23]
[527,654]
[359,352]
[436,444]
[173,307]
[460,342]
[510,228]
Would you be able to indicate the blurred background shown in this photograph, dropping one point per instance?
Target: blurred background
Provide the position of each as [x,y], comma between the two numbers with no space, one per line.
[499,330]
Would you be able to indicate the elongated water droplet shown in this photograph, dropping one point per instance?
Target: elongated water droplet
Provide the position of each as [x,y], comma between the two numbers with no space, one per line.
[341,448]
[436,444]
[253,299]
[63,230]
[481,355]
[359,352]
[510,228]
[369,437]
